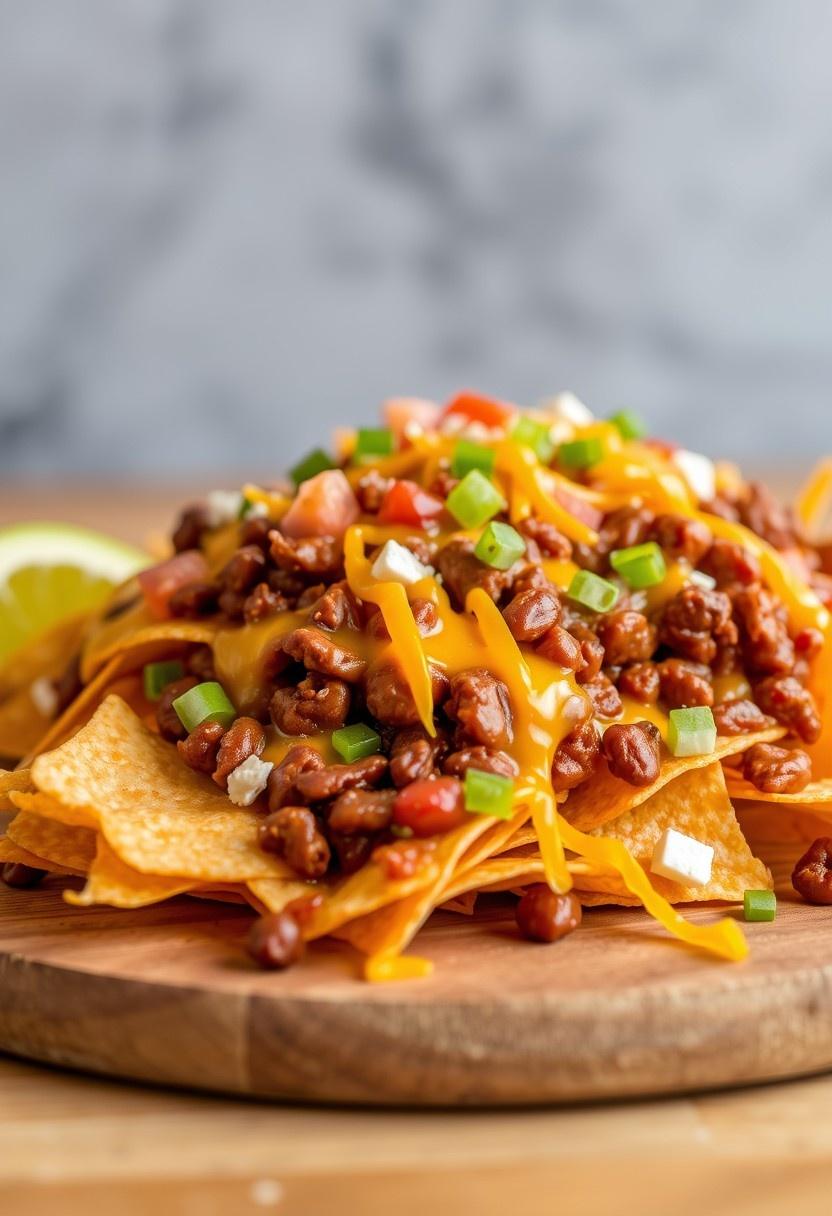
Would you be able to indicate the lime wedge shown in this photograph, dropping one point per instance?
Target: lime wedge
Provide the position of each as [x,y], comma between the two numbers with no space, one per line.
[49,571]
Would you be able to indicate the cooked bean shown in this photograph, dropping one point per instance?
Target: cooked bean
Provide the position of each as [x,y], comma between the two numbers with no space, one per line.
[461,571]
[790,703]
[695,621]
[244,738]
[730,564]
[531,613]
[232,604]
[739,717]
[551,542]
[255,531]
[293,834]
[592,651]
[195,600]
[604,696]
[485,759]
[633,752]
[479,704]
[316,704]
[361,811]
[275,940]
[337,608]
[200,663]
[414,755]
[543,916]
[624,527]
[388,694]
[318,652]
[812,876]
[298,759]
[263,603]
[575,757]
[766,645]
[244,569]
[776,770]
[318,784]
[352,852]
[682,538]
[167,719]
[192,526]
[627,637]
[684,684]
[318,556]
[199,749]
[16,874]
[762,513]
[641,682]
[558,646]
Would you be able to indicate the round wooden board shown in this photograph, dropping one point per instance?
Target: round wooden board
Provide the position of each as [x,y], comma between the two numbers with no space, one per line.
[166,995]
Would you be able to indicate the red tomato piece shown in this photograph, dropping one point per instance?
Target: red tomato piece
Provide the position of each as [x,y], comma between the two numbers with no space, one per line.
[324,506]
[480,409]
[430,808]
[159,582]
[580,508]
[400,412]
[407,503]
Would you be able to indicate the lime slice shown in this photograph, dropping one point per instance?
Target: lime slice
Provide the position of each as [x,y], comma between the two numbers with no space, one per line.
[48,571]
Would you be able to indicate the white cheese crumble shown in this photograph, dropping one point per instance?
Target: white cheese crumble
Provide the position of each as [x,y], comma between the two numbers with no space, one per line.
[396,564]
[698,471]
[570,408]
[700,579]
[248,780]
[223,507]
[682,859]
[44,697]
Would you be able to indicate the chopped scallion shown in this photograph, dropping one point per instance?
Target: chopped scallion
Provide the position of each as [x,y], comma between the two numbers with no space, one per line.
[205,703]
[640,565]
[475,500]
[488,794]
[500,546]
[691,732]
[594,592]
[535,435]
[581,453]
[356,742]
[759,905]
[468,455]
[373,443]
[316,462]
[629,424]
[157,676]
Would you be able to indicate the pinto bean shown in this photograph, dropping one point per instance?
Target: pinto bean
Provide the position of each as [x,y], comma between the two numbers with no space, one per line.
[199,749]
[790,703]
[244,738]
[762,513]
[558,646]
[200,663]
[316,704]
[627,637]
[275,941]
[604,696]
[319,784]
[624,527]
[641,682]
[485,759]
[293,834]
[320,653]
[812,876]
[695,622]
[414,755]
[388,694]
[263,603]
[310,557]
[337,608]
[575,757]
[244,569]
[543,916]
[633,752]
[532,613]
[361,811]
[479,704]
[683,683]
[461,571]
[739,717]
[777,770]
[16,874]
[299,759]
[730,564]
[255,531]
[549,540]
[682,538]
[195,600]
[190,529]
[766,645]
[167,719]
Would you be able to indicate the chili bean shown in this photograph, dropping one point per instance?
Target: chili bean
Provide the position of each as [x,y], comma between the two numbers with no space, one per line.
[627,637]
[530,578]
[624,527]
[776,770]
[192,526]
[461,571]
[604,696]
[199,749]
[255,531]
[232,604]
[762,513]
[320,653]
[16,874]
[479,704]
[633,752]
[167,719]
[388,694]
[791,704]
[316,704]
[275,941]
[370,491]
[684,684]
[695,621]
[766,645]
[318,784]
[532,613]
[318,556]
[543,916]
[575,757]
[485,759]
[550,541]
[558,646]
[812,876]
[244,738]
[194,600]
[739,717]
[337,608]
[281,782]
[682,538]
[263,603]
[730,564]
[244,569]
[641,682]
[352,852]
[310,596]
[293,834]
[361,811]
[592,651]
[200,663]
[414,755]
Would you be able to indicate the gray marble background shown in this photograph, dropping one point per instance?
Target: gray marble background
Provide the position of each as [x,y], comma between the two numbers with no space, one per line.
[226,225]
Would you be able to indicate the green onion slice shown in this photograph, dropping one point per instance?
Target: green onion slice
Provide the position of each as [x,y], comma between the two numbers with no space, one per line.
[759,905]
[316,462]
[488,794]
[475,500]
[594,592]
[581,453]
[355,742]
[640,566]
[205,703]
[629,424]
[500,546]
[157,676]
[373,443]
[535,435]
[691,732]
[468,455]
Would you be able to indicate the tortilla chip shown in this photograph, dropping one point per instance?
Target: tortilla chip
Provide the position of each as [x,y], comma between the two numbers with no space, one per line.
[816,795]
[46,654]
[10,782]
[48,808]
[159,816]
[136,637]
[111,882]
[11,852]
[22,725]
[604,797]
[78,712]
[462,905]
[506,873]
[56,842]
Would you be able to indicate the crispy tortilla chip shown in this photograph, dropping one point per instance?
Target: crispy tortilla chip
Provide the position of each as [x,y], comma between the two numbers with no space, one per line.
[158,815]
[10,782]
[9,851]
[605,797]
[49,808]
[47,654]
[22,725]
[816,795]
[136,637]
[66,846]
[79,712]
[508,873]
[111,882]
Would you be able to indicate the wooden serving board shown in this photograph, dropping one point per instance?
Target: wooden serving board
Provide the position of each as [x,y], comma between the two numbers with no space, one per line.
[166,995]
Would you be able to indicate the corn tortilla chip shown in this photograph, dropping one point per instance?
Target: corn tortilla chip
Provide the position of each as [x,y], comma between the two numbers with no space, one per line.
[10,782]
[111,882]
[137,639]
[42,804]
[47,654]
[11,852]
[67,846]
[816,794]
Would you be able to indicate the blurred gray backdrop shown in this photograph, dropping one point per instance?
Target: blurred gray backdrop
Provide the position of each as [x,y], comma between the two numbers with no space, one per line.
[227,225]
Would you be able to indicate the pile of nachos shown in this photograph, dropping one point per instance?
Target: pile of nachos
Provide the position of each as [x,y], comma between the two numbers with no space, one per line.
[476,649]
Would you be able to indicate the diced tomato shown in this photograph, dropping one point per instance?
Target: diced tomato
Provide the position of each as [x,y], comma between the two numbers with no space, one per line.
[324,506]
[479,409]
[429,808]
[580,508]
[159,582]
[407,503]
[399,412]
[665,446]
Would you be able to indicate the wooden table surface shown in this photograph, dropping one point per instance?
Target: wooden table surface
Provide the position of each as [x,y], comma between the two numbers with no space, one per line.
[75,1144]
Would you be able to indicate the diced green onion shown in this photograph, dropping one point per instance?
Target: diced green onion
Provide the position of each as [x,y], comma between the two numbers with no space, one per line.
[316,462]
[373,443]
[157,676]
[488,794]
[475,500]
[245,506]
[581,453]
[640,566]
[500,546]
[535,435]
[468,455]
[205,703]
[759,905]
[594,592]
[691,732]
[356,742]
[629,424]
